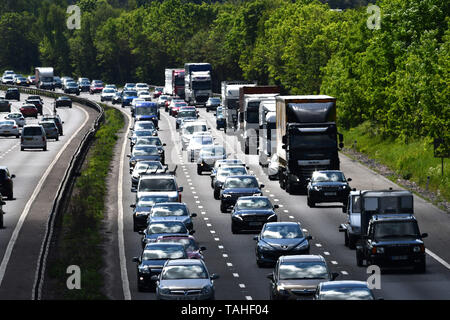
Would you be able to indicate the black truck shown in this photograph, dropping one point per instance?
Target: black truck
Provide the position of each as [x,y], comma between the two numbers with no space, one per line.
[307,138]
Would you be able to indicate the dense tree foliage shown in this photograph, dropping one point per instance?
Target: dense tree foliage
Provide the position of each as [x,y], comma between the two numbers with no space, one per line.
[396,77]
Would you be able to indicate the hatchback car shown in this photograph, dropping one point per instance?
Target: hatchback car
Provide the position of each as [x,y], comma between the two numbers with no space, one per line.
[152,260]
[193,250]
[6,183]
[220,119]
[344,290]
[63,101]
[141,133]
[51,130]
[144,152]
[328,186]
[56,119]
[17,117]
[189,130]
[72,87]
[172,211]
[29,110]
[5,105]
[9,128]
[84,85]
[196,143]
[145,95]
[278,239]
[33,137]
[159,184]
[238,186]
[185,279]
[142,210]
[12,94]
[149,140]
[161,228]
[162,100]
[251,213]
[297,277]
[141,87]
[212,103]
[143,168]
[107,94]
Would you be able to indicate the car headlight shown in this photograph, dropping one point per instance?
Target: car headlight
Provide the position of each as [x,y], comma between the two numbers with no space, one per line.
[380,250]
[226,195]
[418,249]
[206,290]
[133,162]
[164,291]
[160,151]
[264,246]
[238,217]
[257,194]
[282,290]
[302,245]
[317,188]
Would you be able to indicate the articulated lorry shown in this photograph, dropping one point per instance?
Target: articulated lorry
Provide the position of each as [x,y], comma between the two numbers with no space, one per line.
[197,83]
[248,114]
[267,131]
[230,100]
[178,82]
[44,78]
[307,138]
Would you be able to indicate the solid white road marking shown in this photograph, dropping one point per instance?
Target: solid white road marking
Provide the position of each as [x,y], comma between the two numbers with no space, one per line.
[248,298]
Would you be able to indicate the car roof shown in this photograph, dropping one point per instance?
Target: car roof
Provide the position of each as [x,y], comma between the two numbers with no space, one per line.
[242,176]
[178,262]
[343,283]
[253,197]
[158,176]
[153,244]
[301,258]
[171,203]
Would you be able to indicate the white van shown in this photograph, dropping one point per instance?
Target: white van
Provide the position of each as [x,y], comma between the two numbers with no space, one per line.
[33,137]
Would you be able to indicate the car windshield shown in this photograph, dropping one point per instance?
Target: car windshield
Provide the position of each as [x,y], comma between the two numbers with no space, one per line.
[296,270]
[149,201]
[346,294]
[149,185]
[186,114]
[148,167]
[143,133]
[247,182]
[145,151]
[150,141]
[141,85]
[146,111]
[328,177]
[7,123]
[163,252]
[144,125]
[189,243]
[202,140]
[109,91]
[184,272]
[396,229]
[213,151]
[214,100]
[255,203]
[130,93]
[197,128]
[282,232]
[169,210]
[233,171]
[166,227]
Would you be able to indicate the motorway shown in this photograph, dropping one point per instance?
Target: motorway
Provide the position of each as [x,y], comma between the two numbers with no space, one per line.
[233,256]
[38,175]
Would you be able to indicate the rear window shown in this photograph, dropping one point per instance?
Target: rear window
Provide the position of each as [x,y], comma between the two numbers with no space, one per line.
[32,131]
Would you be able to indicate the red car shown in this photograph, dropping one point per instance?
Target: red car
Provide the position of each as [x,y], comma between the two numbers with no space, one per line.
[193,251]
[174,107]
[29,110]
[157,92]
[96,86]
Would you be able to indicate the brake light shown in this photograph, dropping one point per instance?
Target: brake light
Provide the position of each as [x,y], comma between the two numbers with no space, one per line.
[43,138]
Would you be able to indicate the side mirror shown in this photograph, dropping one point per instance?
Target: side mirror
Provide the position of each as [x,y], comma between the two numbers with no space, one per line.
[128,155]
[283,147]
[180,189]
[270,276]
[424,235]
[202,248]
[135,259]
[255,238]
[141,232]
[63,122]
[341,145]
[309,238]
[13,176]
[334,275]
[191,232]
[261,186]
[214,276]
[132,206]
[2,202]
[164,144]
[193,215]
[276,206]
[349,179]
[133,190]
[215,114]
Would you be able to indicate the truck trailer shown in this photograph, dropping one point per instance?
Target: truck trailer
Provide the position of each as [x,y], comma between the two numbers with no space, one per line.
[307,138]
[197,83]
[230,100]
[44,78]
[267,131]
[168,84]
[178,83]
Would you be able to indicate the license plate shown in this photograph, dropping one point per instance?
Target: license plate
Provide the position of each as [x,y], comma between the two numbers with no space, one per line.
[329,193]
[29,139]
[6,131]
[399,257]
[255,223]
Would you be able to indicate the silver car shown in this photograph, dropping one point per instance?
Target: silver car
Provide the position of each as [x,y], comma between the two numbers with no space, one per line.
[9,128]
[51,130]
[196,143]
[33,137]
[185,279]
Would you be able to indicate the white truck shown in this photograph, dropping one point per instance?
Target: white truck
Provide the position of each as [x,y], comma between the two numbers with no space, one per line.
[230,100]
[267,133]
[168,88]
[197,83]
[44,78]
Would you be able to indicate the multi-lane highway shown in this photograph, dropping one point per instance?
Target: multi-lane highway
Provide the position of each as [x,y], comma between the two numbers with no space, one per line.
[232,256]
[38,175]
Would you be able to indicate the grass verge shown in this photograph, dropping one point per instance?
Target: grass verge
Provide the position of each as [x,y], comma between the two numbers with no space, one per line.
[413,161]
[80,238]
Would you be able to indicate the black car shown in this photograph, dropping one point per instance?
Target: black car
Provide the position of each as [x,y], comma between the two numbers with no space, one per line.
[12,94]
[328,186]
[251,213]
[57,83]
[142,209]
[220,119]
[152,260]
[144,152]
[144,168]
[63,102]
[162,228]
[84,86]
[21,81]
[5,105]
[392,241]
[6,183]
[72,87]
[238,186]
[280,239]
[218,177]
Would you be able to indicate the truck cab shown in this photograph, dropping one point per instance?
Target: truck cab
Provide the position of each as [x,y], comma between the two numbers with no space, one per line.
[392,241]
[363,204]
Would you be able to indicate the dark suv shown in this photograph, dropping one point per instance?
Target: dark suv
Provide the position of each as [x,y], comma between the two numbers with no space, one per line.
[6,182]
[12,93]
[328,186]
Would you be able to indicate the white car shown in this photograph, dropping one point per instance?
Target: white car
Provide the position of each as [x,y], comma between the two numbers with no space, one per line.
[9,128]
[142,87]
[8,79]
[17,117]
[189,128]
[33,137]
[107,94]
[162,100]
[196,143]
[272,169]
[145,95]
